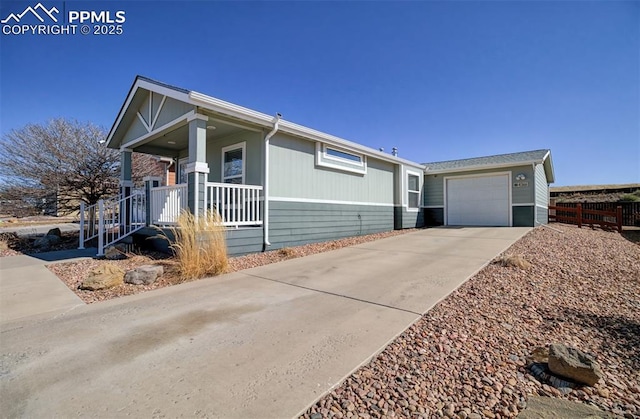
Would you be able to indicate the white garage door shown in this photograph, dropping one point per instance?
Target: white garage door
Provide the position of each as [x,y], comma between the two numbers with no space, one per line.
[478,201]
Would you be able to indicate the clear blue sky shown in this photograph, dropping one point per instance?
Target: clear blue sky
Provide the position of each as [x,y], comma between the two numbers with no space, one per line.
[439,80]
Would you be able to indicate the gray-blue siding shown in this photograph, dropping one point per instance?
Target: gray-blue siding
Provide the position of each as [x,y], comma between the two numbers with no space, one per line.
[297,223]
[542,195]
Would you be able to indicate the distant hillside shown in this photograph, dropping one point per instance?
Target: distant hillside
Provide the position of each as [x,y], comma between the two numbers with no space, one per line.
[596,193]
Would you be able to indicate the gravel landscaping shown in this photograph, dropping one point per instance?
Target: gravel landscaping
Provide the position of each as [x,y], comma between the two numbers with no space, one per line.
[468,356]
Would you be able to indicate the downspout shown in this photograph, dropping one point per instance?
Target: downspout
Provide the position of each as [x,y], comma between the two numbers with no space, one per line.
[265,221]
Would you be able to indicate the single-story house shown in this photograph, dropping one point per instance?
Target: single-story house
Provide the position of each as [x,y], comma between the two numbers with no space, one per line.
[278,184]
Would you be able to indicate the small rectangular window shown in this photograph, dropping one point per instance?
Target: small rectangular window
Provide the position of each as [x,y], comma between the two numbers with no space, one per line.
[340,159]
[343,155]
[413,191]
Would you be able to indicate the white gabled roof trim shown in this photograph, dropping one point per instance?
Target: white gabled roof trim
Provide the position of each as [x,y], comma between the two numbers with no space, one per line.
[147,85]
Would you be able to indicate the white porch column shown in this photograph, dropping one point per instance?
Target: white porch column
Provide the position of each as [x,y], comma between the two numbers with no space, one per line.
[197,169]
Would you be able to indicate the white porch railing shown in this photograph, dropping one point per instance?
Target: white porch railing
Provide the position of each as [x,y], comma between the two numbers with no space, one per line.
[111,220]
[167,202]
[238,205]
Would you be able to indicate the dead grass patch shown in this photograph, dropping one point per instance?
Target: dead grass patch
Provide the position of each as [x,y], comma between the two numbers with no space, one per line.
[287,252]
[200,245]
[515,261]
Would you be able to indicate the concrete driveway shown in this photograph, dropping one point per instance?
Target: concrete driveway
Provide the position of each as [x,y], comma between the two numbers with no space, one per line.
[265,342]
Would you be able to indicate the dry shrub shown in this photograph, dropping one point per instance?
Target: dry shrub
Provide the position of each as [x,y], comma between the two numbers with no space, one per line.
[3,245]
[517,261]
[287,252]
[200,246]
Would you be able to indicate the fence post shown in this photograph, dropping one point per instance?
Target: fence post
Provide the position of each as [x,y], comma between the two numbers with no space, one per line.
[100,228]
[81,238]
[619,218]
[579,215]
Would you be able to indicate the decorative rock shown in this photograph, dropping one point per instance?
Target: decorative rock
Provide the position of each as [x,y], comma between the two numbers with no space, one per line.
[55,232]
[104,276]
[45,242]
[540,354]
[143,275]
[114,253]
[573,364]
[42,243]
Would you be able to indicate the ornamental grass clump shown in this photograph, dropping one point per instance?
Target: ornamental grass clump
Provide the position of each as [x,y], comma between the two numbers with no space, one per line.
[516,261]
[200,247]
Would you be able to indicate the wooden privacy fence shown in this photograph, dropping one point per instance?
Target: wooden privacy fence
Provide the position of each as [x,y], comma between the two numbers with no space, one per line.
[579,216]
[630,210]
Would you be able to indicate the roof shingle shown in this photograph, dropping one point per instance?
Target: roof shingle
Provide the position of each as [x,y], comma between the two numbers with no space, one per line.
[489,161]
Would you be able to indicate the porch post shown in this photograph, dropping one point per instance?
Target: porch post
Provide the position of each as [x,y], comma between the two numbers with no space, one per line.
[125,172]
[126,186]
[149,183]
[197,169]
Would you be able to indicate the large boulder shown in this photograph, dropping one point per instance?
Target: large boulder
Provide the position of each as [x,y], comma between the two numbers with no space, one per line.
[573,364]
[104,276]
[143,275]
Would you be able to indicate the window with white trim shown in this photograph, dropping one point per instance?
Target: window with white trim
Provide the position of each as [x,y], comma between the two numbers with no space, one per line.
[340,159]
[233,163]
[413,191]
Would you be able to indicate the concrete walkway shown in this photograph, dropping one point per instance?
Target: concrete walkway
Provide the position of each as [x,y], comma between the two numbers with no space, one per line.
[266,342]
[28,288]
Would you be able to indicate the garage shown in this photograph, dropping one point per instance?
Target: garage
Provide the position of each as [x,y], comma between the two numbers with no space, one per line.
[478,200]
[501,190]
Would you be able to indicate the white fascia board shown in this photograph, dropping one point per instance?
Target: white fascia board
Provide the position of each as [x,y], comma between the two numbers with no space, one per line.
[152,87]
[260,118]
[551,177]
[479,167]
[230,109]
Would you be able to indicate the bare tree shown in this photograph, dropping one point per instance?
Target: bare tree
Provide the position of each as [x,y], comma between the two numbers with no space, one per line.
[65,159]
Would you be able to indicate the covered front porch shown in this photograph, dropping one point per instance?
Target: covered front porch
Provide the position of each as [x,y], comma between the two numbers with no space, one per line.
[218,162]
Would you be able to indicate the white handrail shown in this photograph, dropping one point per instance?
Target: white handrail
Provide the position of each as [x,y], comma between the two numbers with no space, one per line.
[115,219]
